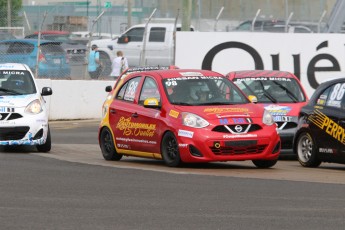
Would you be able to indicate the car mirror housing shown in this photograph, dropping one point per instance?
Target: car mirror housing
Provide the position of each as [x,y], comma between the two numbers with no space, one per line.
[151,103]
[253,98]
[46,91]
[108,88]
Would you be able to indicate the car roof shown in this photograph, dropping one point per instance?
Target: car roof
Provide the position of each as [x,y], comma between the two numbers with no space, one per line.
[177,73]
[32,41]
[260,73]
[53,32]
[14,66]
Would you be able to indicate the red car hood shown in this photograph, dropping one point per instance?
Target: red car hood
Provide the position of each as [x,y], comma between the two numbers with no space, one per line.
[215,112]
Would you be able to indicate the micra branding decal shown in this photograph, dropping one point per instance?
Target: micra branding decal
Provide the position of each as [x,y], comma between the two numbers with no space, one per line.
[328,125]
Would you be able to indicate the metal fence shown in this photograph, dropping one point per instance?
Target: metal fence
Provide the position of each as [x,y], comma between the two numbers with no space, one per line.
[62,58]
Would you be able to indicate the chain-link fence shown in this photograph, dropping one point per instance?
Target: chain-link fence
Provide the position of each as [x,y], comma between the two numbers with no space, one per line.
[64,27]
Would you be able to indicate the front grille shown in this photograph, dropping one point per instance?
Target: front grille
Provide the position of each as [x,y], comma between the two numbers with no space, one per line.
[225,128]
[13,133]
[228,150]
[14,116]
[9,116]
[3,116]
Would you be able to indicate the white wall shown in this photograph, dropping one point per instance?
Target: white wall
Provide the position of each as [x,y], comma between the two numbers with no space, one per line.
[314,57]
[75,99]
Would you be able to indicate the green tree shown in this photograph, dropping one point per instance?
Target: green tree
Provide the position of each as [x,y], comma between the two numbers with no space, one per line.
[15,7]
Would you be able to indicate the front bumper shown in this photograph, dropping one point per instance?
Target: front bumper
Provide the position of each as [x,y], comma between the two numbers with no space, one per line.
[27,130]
[263,145]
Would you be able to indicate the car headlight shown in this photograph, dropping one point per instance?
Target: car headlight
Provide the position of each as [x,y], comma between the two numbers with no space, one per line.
[192,120]
[267,118]
[34,107]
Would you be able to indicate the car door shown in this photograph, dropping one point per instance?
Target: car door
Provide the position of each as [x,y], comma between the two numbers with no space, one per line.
[149,118]
[158,47]
[122,115]
[325,122]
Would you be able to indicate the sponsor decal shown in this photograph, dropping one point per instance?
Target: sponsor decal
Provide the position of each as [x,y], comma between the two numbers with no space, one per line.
[282,118]
[173,113]
[226,121]
[135,140]
[185,133]
[6,110]
[123,146]
[225,110]
[227,136]
[328,125]
[278,110]
[130,128]
[325,150]
[183,145]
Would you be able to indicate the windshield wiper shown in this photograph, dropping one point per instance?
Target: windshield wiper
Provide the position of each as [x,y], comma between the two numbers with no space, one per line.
[267,94]
[288,92]
[12,92]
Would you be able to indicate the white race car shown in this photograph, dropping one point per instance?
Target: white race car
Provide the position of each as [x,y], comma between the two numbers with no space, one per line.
[23,114]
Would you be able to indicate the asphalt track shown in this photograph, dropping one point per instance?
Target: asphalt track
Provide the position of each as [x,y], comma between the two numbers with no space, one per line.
[87,151]
[73,187]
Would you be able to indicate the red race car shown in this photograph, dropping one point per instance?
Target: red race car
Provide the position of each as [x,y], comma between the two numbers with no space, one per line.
[279,92]
[186,116]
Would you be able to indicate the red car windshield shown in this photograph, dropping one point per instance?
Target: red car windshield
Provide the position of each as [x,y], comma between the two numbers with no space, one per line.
[202,91]
[267,90]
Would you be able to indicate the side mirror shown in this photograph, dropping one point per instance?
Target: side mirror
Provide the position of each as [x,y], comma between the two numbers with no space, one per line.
[46,91]
[253,99]
[151,103]
[108,88]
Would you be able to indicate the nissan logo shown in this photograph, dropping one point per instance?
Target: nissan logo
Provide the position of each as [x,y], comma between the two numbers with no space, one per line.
[238,128]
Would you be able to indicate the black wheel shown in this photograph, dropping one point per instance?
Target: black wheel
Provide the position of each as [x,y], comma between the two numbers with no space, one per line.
[306,151]
[170,151]
[46,147]
[264,163]
[107,146]
[106,62]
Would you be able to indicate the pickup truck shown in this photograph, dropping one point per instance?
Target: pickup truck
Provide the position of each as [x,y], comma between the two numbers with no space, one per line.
[158,49]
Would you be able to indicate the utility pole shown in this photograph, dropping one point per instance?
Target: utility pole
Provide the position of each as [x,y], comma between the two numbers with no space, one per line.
[9,13]
[129,13]
[186,15]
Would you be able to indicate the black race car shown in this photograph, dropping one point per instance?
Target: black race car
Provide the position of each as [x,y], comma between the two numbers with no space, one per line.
[320,135]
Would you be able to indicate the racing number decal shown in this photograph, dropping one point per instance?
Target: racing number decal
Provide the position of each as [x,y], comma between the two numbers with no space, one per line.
[338,92]
[130,93]
[336,95]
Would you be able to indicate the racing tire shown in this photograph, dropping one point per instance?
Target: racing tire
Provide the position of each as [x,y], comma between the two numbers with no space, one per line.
[46,147]
[106,63]
[170,150]
[264,164]
[306,151]
[107,146]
